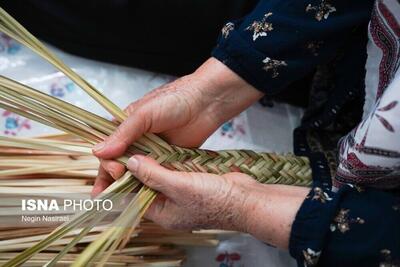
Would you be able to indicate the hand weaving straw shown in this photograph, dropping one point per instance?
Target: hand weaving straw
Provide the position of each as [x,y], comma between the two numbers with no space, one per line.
[151,245]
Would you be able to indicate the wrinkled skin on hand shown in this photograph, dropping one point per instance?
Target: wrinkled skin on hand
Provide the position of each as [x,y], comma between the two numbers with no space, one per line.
[194,200]
[233,201]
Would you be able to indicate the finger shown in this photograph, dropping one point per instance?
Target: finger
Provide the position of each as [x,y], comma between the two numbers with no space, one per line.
[163,212]
[103,180]
[129,131]
[240,178]
[115,169]
[149,172]
[156,208]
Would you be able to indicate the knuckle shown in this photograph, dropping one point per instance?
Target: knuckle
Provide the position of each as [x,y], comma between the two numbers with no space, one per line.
[147,118]
[118,134]
[120,137]
[136,107]
[131,108]
[146,175]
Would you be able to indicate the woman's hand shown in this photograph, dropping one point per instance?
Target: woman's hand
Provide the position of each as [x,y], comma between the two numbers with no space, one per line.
[232,201]
[185,113]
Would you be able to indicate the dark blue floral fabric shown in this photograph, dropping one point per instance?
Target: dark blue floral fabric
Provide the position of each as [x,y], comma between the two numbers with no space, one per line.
[352,227]
[282,41]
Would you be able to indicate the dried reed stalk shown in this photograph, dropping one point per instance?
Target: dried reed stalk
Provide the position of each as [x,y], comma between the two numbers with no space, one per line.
[147,252]
[264,167]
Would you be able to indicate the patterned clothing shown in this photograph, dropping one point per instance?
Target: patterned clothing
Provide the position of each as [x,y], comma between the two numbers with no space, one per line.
[351,216]
[370,154]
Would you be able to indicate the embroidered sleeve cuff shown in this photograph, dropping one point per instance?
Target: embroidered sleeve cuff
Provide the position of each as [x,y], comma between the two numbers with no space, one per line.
[311,226]
[267,74]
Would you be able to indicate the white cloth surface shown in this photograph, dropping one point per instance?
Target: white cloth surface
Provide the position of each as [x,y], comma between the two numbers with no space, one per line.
[258,128]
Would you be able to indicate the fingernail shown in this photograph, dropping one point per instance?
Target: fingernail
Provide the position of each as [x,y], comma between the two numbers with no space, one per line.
[133,164]
[99,146]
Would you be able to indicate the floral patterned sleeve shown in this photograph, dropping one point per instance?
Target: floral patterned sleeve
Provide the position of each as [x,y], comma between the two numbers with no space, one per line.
[282,41]
[352,227]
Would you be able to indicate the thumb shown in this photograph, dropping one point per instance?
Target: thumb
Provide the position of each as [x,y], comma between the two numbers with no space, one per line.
[127,132]
[150,173]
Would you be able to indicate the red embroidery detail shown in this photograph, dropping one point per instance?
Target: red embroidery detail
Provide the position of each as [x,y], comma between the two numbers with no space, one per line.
[391,20]
[385,38]
[389,106]
[385,33]
[385,123]
[228,259]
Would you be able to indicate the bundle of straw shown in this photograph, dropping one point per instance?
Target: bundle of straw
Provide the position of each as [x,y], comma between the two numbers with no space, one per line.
[20,99]
[153,246]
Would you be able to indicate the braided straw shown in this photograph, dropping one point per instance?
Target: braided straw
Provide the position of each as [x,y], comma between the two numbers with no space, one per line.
[268,168]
